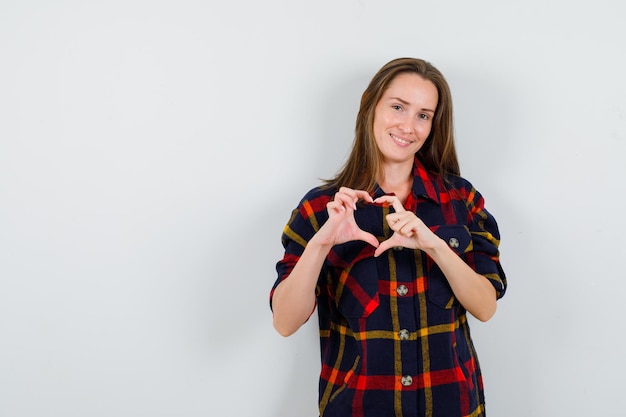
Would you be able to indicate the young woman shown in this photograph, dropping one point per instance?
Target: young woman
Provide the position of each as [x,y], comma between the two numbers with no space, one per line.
[393,252]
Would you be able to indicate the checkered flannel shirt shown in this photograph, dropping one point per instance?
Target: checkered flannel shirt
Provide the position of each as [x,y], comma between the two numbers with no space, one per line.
[394,339]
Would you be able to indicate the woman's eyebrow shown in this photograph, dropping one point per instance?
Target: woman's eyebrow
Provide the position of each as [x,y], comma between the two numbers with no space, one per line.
[406,103]
[400,100]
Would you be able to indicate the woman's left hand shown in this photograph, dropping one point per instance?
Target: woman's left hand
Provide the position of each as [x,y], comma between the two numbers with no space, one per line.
[409,230]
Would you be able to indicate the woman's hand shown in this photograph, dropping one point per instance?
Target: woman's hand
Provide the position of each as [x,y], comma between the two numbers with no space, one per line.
[409,231]
[294,298]
[472,290]
[341,226]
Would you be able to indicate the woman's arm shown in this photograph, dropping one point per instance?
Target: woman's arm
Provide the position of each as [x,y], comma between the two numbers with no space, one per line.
[474,291]
[293,300]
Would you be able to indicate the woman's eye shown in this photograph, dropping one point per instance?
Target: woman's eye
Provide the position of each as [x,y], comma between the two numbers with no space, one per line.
[396,107]
[424,116]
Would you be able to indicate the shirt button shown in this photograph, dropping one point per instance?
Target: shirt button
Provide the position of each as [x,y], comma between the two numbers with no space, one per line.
[404,334]
[407,380]
[402,290]
[397,248]
[453,242]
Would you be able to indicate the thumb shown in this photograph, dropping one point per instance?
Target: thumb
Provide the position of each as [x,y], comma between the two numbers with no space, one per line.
[369,238]
[385,245]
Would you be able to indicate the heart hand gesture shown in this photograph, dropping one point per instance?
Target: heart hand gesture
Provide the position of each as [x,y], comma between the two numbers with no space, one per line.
[409,230]
[341,226]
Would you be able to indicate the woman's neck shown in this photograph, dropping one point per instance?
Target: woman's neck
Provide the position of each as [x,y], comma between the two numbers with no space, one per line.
[398,180]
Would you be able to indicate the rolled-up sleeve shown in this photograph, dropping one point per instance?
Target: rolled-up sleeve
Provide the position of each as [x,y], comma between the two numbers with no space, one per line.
[304,222]
[484,257]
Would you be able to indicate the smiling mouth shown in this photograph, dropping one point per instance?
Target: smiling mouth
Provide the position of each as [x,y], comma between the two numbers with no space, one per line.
[400,141]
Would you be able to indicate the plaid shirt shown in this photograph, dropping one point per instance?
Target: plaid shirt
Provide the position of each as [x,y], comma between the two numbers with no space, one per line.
[394,339]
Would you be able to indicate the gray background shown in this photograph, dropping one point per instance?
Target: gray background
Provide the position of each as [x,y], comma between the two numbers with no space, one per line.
[152,151]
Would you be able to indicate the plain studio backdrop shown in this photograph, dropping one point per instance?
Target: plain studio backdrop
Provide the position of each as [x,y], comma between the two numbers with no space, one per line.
[152,151]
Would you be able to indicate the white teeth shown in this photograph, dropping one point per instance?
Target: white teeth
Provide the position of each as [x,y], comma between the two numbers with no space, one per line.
[406,142]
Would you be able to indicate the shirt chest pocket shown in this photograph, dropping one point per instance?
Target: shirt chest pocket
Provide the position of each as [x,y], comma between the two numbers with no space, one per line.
[459,240]
[356,293]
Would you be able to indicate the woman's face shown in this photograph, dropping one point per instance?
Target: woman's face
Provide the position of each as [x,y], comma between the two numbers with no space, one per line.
[403,117]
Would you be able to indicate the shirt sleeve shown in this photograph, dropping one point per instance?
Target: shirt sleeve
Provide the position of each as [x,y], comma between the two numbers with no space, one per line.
[304,222]
[484,258]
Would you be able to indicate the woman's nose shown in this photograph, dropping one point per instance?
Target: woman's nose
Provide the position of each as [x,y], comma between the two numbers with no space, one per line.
[407,125]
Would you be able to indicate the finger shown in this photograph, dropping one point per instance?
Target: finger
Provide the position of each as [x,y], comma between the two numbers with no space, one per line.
[394,241]
[335,207]
[397,220]
[403,217]
[368,238]
[393,218]
[407,230]
[402,224]
[393,200]
[346,200]
[383,247]
[364,195]
[349,192]
[355,195]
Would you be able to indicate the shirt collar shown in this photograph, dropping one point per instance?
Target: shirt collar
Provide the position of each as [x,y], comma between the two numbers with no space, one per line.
[424,184]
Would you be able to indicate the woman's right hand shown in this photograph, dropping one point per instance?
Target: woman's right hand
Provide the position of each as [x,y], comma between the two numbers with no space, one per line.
[294,298]
[341,226]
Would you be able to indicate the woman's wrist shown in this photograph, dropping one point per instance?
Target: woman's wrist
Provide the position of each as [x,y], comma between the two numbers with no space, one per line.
[319,244]
[438,249]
